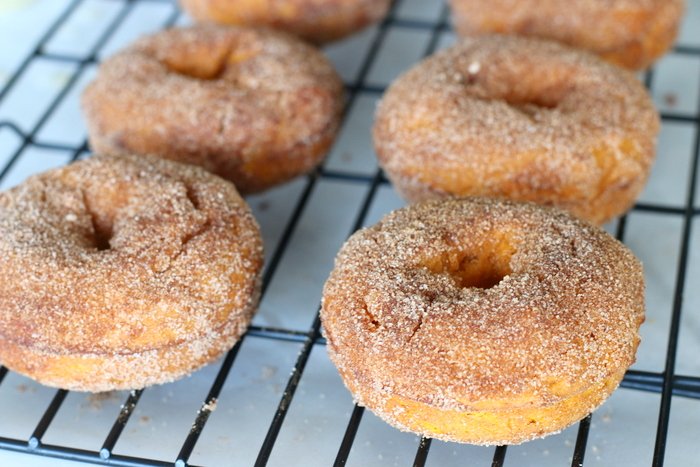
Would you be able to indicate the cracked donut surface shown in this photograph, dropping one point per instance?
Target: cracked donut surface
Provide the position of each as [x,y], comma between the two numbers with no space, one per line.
[254,106]
[519,118]
[124,271]
[482,321]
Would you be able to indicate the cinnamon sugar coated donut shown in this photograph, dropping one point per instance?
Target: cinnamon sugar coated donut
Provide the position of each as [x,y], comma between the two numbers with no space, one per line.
[629,33]
[256,107]
[519,118]
[482,321]
[122,272]
[318,21]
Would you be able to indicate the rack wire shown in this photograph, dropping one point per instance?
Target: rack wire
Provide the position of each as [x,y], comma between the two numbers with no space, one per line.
[667,383]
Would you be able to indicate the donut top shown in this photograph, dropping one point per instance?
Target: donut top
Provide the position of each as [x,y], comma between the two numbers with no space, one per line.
[600,25]
[461,304]
[318,21]
[249,58]
[141,240]
[517,91]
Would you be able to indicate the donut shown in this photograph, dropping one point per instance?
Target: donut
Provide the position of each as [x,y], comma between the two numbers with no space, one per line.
[519,118]
[482,321]
[120,272]
[317,21]
[628,33]
[255,107]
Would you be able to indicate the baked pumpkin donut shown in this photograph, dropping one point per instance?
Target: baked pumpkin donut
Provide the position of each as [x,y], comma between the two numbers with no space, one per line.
[318,21]
[256,107]
[519,118]
[122,272]
[629,33]
[482,321]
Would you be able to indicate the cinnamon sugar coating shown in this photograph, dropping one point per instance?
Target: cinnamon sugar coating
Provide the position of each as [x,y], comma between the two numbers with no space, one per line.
[318,21]
[124,271]
[256,107]
[629,33]
[482,321]
[519,118]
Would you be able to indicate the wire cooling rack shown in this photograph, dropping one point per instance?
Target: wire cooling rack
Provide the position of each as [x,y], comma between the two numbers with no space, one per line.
[275,399]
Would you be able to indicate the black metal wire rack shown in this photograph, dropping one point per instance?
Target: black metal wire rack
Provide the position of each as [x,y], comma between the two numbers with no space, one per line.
[667,384]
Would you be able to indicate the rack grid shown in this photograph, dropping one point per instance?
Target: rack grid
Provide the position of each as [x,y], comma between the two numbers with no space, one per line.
[365,82]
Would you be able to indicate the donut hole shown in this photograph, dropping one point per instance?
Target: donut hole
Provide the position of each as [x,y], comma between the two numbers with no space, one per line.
[102,232]
[102,221]
[196,68]
[211,61]
[481,267]
[524,102]
[526,90]
[480,271]
[102,238]
[530,102]
[203,61]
